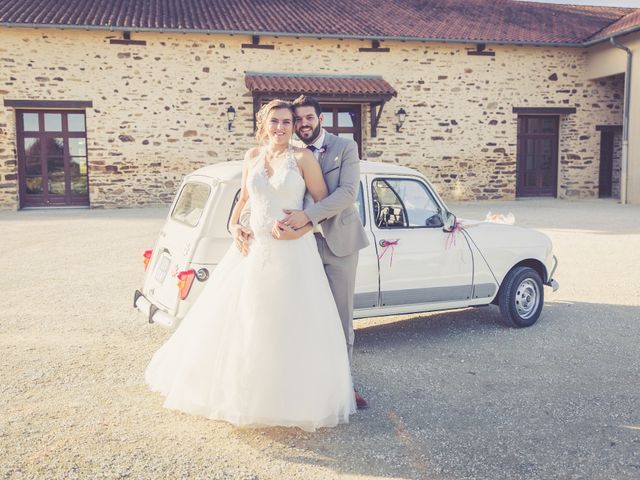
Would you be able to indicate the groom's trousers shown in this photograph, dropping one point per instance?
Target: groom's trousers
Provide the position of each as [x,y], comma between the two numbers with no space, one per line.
[341,272]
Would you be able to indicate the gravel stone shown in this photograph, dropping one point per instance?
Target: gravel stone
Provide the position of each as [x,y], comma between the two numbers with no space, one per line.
[453,395]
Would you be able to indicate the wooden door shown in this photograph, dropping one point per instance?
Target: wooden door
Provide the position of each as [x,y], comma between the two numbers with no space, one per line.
[537,162]
[606,164]
[52,158]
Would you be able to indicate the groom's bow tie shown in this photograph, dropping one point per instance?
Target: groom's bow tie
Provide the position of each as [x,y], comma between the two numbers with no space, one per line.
[314,149]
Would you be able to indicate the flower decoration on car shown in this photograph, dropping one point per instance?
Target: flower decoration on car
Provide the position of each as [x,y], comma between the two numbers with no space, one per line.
[451,238]
[388,245]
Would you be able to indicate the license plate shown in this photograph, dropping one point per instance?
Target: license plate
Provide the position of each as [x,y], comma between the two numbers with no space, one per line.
[163,268]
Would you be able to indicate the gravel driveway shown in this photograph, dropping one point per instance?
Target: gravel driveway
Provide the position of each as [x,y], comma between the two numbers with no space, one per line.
[453,395]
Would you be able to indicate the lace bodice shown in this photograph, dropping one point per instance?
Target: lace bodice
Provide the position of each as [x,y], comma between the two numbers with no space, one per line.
[284,189]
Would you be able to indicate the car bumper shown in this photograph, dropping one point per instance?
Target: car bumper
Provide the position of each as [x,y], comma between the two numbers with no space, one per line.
[151,312]
[551,282]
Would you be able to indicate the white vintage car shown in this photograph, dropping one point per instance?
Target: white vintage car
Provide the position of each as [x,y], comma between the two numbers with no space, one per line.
[420,258]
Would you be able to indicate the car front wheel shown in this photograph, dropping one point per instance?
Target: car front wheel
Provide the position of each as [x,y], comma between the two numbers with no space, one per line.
[521,297]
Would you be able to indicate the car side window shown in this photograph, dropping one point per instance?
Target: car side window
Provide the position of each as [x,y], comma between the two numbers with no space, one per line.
[404,203]
[388,211]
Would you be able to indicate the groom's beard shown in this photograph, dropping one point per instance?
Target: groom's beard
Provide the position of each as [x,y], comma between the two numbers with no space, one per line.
[312,137]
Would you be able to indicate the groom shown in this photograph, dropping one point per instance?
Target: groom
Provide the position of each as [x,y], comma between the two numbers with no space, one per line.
[337,228]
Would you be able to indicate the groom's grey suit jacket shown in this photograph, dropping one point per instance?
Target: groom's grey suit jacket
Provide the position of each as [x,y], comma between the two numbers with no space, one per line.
[337,214]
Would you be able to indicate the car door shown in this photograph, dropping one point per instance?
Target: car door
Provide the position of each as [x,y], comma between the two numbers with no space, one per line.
[420,264]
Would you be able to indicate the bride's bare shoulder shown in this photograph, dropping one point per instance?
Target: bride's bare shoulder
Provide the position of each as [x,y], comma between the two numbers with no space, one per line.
[302,155]
[251,155]
[298,151]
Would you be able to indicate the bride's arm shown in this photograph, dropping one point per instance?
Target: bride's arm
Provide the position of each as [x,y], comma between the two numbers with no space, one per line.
[314,181]
[241,234]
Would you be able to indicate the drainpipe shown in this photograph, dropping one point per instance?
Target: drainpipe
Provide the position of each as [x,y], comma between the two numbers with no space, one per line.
[624,167]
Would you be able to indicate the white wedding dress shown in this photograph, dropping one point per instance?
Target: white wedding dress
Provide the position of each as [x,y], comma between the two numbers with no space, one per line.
[263,344]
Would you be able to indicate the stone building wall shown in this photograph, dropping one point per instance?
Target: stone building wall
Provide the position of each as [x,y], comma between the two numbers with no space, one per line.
[159,111]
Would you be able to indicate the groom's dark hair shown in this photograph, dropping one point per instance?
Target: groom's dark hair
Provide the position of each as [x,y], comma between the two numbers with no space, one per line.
[307,101]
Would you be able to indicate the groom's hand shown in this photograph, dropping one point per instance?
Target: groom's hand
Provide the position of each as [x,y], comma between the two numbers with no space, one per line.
[295,219]
[280,231]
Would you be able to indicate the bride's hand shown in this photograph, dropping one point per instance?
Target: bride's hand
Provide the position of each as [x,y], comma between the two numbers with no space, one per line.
[241,237]
[282,231]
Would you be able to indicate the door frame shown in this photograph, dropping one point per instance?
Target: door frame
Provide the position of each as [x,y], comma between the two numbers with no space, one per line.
[70,199]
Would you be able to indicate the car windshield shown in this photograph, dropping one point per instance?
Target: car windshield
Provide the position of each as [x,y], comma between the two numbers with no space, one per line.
[191,203]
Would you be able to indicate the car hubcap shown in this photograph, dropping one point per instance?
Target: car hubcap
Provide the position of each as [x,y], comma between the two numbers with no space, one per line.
[527,298]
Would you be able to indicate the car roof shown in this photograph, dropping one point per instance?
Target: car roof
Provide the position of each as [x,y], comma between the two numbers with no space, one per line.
[223,171]
[384,167]
[228,171]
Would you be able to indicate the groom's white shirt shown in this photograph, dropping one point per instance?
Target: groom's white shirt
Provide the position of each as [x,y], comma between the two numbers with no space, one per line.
[318,144]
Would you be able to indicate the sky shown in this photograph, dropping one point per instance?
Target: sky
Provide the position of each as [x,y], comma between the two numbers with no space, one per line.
[602,3]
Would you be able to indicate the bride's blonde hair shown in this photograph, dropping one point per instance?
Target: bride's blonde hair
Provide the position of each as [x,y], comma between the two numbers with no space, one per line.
[263,114]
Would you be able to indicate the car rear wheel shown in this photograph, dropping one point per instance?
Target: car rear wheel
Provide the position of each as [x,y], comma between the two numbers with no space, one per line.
[521,297]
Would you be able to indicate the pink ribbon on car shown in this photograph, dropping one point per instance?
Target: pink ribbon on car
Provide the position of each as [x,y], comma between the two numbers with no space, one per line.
[451,238]
[388,245]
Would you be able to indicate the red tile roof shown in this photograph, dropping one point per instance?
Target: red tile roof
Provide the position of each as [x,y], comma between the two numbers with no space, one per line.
[454,20]
[319,85]
[626,23]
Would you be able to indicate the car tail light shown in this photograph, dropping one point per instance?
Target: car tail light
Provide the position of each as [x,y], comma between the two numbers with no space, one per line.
[185,280]
[147,257]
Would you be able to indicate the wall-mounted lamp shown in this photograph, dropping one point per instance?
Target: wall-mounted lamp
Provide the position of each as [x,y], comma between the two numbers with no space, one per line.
[231,116]
[401,115]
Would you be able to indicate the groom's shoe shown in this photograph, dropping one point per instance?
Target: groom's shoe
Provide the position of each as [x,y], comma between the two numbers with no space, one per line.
[361,403]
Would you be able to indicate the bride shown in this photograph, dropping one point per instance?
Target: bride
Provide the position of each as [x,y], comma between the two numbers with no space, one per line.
[263,344]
